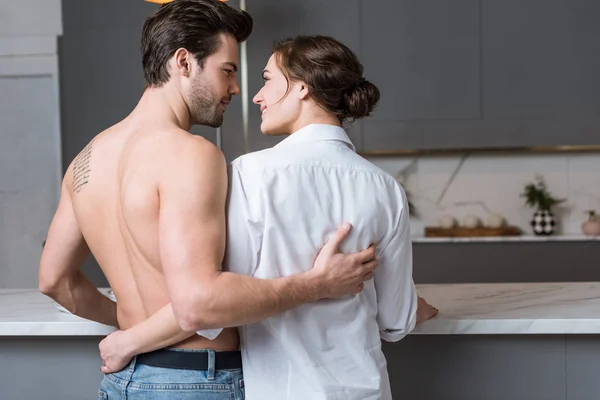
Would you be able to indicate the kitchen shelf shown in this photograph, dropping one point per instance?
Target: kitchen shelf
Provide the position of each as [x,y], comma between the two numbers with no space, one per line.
[494,239]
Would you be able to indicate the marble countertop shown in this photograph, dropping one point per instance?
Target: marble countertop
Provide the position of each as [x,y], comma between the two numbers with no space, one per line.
[497,308]
[27,312]
[513,308]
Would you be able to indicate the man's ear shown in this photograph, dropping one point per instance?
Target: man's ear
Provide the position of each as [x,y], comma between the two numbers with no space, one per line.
[183,62]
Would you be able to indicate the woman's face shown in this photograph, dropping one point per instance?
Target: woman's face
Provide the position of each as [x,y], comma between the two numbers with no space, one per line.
[280,107]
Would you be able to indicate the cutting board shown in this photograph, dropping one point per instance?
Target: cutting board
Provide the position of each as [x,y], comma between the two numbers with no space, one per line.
[435,231]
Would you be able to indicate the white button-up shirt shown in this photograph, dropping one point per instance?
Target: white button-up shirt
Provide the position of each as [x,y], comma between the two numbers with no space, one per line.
[284,203]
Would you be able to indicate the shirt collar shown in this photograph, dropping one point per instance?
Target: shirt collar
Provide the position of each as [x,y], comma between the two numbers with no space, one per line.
[317,133]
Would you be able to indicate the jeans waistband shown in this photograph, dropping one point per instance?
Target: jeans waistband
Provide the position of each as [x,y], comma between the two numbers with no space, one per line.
[194,360]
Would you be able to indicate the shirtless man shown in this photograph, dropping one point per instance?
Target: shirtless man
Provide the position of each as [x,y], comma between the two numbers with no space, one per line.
[147,199]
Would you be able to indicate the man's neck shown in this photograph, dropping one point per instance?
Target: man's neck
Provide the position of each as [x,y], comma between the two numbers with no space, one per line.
[165,105]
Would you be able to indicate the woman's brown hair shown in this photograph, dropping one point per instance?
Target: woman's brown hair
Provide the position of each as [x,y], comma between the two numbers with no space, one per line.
[332,72]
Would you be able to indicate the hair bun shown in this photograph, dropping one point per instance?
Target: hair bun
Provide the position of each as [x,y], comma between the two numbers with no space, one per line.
[361,99]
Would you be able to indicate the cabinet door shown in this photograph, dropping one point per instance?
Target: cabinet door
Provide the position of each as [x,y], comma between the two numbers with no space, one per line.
[540,69]
[425,58]
[30,18]
[29,174]
[275,20]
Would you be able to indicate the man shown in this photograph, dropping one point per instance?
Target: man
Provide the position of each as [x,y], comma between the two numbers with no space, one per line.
[147,199]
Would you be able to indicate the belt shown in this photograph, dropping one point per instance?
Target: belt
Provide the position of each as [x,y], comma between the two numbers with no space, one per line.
[195,360]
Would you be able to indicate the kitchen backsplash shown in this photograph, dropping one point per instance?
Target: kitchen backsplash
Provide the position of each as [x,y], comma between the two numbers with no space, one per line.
[461,185]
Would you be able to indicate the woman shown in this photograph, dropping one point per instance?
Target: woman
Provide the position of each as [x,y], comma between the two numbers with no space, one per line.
[283,203]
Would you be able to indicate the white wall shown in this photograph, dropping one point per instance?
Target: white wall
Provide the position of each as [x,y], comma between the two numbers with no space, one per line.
[496,182]
[30,156]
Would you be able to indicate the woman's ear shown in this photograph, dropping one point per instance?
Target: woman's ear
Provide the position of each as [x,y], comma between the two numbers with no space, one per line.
[303,92]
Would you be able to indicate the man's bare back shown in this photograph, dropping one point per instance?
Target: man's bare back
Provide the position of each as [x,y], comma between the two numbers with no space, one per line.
[114,185]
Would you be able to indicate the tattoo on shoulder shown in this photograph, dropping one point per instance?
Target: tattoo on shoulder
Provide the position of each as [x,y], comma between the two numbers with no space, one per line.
[81,168]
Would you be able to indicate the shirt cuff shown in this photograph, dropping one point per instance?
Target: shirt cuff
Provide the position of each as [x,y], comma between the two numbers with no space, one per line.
[392,335]
[210,334]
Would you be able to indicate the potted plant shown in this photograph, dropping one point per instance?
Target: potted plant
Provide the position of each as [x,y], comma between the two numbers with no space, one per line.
[537,196]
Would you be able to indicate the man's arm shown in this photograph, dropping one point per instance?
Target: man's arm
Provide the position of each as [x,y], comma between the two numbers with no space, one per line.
[60,277]
[162,328]
[192,241]
[157,332]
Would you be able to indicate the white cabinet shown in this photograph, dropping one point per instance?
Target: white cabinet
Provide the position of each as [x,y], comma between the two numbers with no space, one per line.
[30,146]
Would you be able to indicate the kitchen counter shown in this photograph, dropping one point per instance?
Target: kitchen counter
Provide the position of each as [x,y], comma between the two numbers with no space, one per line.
[499,308]
[519,341]
[513,308]
[490,341]
[29,313]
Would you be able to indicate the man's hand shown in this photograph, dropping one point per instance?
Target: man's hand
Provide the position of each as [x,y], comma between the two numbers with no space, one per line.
[114,353]
[425,311]
[338,274]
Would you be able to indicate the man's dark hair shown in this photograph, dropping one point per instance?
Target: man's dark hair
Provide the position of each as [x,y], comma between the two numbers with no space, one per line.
[194,25]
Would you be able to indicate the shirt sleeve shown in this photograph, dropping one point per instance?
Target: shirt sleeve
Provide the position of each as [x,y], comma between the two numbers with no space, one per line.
[396,292]
[244,221]
[244,229]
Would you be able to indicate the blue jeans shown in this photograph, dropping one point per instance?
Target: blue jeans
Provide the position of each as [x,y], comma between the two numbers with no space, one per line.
[145,382]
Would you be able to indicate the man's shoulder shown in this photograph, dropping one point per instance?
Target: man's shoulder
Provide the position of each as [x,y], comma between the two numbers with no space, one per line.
[179,139]
[180,147]
[81,160]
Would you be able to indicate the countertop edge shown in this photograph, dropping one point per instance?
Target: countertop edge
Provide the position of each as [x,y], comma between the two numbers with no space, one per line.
[54,329]
[564,326]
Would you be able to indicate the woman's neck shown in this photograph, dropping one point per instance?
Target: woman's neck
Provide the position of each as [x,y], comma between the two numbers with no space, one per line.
[316,118]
